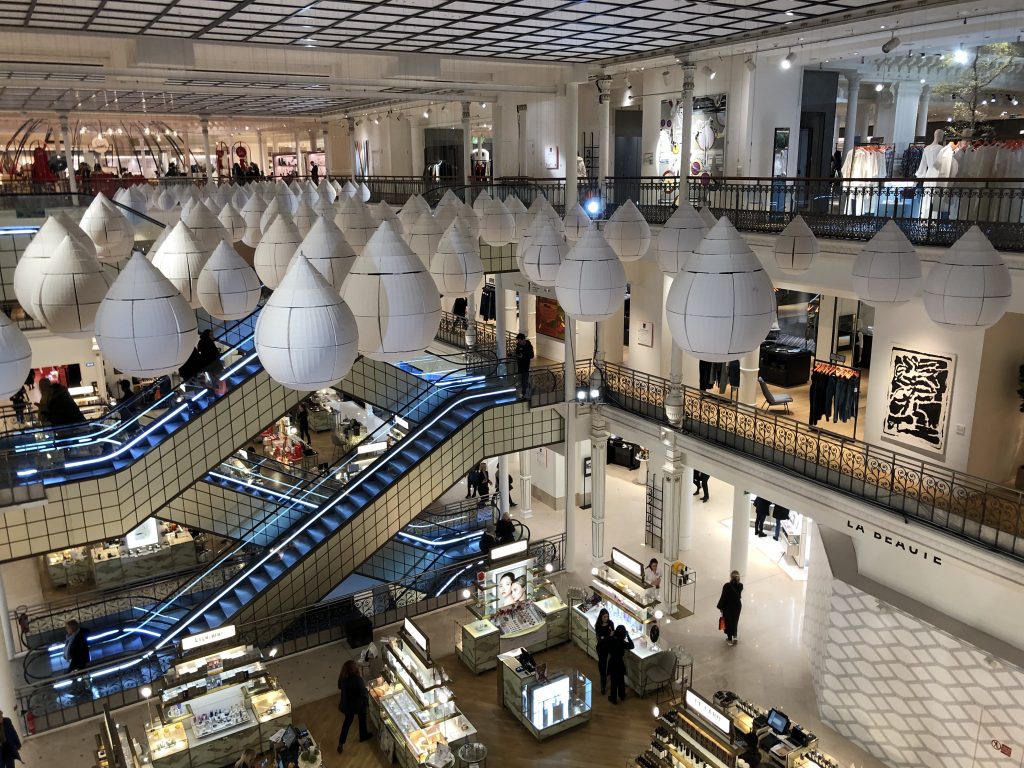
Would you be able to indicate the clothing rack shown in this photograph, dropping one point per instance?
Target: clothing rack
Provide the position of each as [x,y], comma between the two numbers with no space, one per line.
[841,400]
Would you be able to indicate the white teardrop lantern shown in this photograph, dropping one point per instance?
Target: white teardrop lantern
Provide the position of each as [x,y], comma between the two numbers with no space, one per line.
[456,266]
[678,238]
[70,288]
[304,218]
[425,236]
[166,201]
[796,247]
[108,229]
[231,219]
[970,287]
[544,253]
[414,207]
[309,194]
[240,197]
[357,224]
[326,191]
[628,233]
[274,207]
[29,269]
[144,326]
[351,190]
[286,199]
[522,216]
[384,212]
[470,222]
[252,212]
[447,213]
[497,225]
[576,223]
[722,302]
[325,207]
[15,357]
[887,269]
[393,298]
[228,287]
[481,200]
[591,283]
[364,192]
[328,251]
[206,227]
[276,249]
[180,258]
[709,218]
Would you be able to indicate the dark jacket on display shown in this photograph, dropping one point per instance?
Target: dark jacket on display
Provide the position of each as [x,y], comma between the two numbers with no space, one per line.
[354,697]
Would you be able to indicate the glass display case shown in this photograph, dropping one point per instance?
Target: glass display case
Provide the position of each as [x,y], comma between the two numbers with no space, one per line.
[270,705]
[166,740]
[561,697]
[218,712]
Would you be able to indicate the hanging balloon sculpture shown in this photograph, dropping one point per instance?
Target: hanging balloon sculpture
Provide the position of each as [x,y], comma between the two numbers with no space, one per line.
[222,149]
[15,149]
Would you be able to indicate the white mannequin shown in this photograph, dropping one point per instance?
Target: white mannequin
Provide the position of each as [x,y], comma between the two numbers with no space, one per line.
[930,167]
[581,168]
[481,155]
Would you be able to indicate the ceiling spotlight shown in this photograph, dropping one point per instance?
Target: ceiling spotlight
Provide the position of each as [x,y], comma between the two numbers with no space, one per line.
[960,56]
[82,130]
[923,81]
[376,120]
[787,62]
[247,127]
[426,112]
[789,13]
[879,87]
[483,105]
[709,73]
[1014,101]
[891,44]
[749,64]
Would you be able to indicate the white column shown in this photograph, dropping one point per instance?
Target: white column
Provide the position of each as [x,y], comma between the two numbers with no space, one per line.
[8,632]
[471,321]
[65,136]
[570,440]
[501,321]
[826,322]
[416,149]
[527,312]
[467,148]
[604,134]
[571,112]
[922,111]
[740,530]
[677,504]
[210,163]
[852,103]
[598,467]
[750,365]
[8,701]
[261,158]
[300,167]
[498,140]
[350,123]
[328,153]
[522,161]
[686,102]
[674,396]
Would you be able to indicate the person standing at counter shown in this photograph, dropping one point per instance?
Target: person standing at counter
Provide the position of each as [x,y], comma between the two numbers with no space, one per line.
[247,760]
[618,644]
[303,420]
[651,574]
[353,701]
[604,629]
[780,513]
[730,605]
[10,743]
[761,507]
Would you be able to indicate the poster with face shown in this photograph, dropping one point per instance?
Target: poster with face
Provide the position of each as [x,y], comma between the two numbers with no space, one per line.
[919,398]
[511,586]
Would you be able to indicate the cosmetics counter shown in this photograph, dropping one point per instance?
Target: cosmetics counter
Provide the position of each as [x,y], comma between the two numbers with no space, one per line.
[619,587]
[515,605]
[215,702]
[728,732]
[414,712]
[545,702]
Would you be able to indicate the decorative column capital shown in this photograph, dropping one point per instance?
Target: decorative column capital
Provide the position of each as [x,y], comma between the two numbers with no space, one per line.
[465,111]
[688,72]
[853,79]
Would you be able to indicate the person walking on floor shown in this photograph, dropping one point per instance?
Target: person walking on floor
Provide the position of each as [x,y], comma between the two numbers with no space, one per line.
[604,629]
[483,487]
[730,604]
[618,644]
[700,481]
[353,701]
[523,354]
[497,478]
[761,508]
[10,742]
[780,513]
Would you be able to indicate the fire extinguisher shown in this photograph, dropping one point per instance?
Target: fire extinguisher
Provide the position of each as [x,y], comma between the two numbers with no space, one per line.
[30,722]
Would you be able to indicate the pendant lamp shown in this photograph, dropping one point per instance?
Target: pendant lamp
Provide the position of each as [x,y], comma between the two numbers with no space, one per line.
[206,227]
[628,233]
[70,288]
[591,283]
[240,197]
[304,218]
[678,238]
[383,212]
[231,219]
[393,298]
[309,194]
[15,357]
[274,207]
[166,201]
[796,247]
[180,258]
[470,222]
[722,302]
[497,225]
[325,207]
[970,287]
[357,224]
[286,199]
[425,236]
[709,218]
[576,223]
[887,269]
[108,229]
[351,190]
[544,253]
[252,212]
[145,327]
[228,288]
[522,217]
[328,251]
[481,200]
[276,249]
[40,249]
[306,336]
[414,207]
[456,266]
[326,191]
[364,192]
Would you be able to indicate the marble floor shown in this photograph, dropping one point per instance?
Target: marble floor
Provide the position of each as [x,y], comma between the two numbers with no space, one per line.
[768,666]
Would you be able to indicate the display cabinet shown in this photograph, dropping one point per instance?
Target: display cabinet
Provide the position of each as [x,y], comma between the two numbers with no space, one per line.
[477,645]
[546,703]
[168,745]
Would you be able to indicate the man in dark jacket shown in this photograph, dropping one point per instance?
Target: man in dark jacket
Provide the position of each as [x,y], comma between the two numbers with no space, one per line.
[56,406]
[353,702]
[761,507]
[76,646]
[523,354]
[10,746]
[505,529]
[780,513]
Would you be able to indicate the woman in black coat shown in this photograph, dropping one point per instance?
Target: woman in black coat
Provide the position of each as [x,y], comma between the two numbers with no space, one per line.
[353,701]
[603,628]
[618,644]
[10,747]
[730,605]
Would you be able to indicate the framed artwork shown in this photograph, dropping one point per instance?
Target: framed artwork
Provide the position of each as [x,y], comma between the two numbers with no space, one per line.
[550,319]
[645,334]
[919,398]
[551,158]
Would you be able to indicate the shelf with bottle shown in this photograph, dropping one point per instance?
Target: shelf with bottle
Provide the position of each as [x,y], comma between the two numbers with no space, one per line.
[197,685]
[166,740]
[270,705]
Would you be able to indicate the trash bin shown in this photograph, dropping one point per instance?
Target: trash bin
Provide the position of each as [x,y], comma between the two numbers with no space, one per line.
[473,755]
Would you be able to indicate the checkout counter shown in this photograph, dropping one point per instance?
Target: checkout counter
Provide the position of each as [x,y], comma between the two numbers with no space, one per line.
[785,366]
[515,607]
[728,732]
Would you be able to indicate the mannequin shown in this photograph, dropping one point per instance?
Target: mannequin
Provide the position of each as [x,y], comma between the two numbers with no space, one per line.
[930,166]
[581,168]
[480,160]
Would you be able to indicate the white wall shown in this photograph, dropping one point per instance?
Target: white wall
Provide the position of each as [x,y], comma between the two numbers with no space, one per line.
[774,103]
[997,447]
[548,475]
[646,304]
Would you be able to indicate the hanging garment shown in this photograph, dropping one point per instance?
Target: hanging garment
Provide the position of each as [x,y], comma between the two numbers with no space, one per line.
[488,303]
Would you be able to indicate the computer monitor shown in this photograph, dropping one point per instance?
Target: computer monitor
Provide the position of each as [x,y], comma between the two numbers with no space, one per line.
[778,721]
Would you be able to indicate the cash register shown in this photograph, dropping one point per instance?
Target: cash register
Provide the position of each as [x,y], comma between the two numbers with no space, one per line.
[783,743]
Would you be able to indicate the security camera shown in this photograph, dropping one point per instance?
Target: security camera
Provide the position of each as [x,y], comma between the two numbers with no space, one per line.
[891,44]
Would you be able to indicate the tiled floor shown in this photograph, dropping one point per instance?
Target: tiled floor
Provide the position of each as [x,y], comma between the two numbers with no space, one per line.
[767,666]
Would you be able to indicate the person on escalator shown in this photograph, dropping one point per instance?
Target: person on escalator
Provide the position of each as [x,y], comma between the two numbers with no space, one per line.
[487,540]
[56,406]
[76,646]
[506,529]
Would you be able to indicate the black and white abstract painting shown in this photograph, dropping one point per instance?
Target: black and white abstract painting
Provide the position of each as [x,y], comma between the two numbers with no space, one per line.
[919,398]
